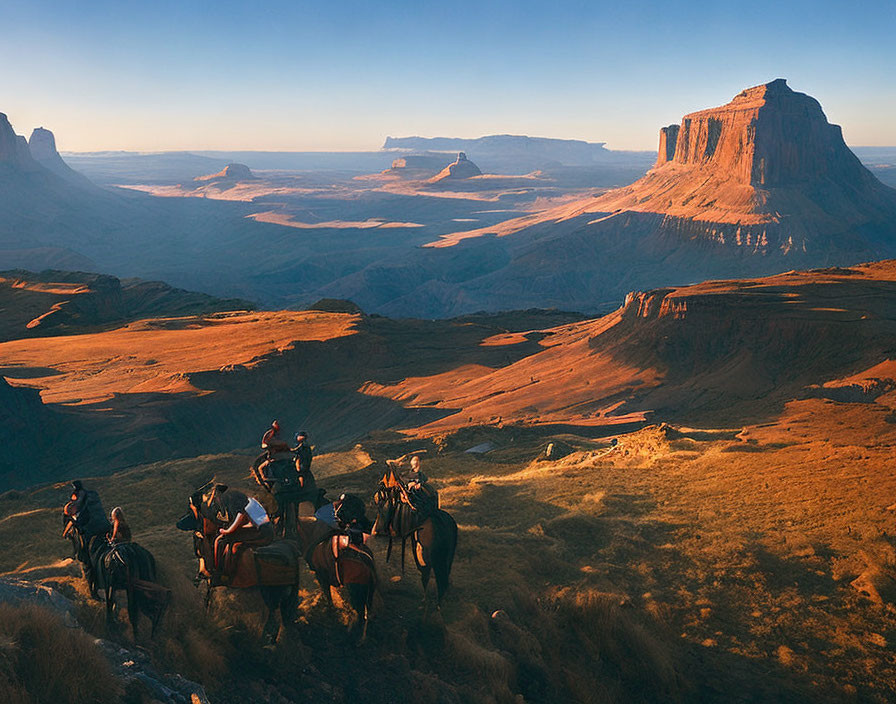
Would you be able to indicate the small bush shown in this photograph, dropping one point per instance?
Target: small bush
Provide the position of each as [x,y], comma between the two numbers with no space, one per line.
[42,660]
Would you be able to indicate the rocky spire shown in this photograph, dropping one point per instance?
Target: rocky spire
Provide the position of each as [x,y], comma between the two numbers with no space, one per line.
[43,149]
[13,148]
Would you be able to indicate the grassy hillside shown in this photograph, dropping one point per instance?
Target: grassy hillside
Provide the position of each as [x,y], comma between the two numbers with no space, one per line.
[680,565]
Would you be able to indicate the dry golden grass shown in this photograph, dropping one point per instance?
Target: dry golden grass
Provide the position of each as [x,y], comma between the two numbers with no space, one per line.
[682,565]
[42,660]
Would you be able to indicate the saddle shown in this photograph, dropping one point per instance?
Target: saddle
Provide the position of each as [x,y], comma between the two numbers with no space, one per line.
[276,564]
[350,553]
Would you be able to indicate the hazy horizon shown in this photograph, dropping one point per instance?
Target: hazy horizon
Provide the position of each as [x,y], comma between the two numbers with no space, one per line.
[289,77]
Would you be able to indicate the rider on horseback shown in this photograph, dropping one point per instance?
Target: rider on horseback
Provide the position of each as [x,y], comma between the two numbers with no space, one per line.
[303,457]
[121,531]
[418,492]
[248,526]
[85,512]
[272,442]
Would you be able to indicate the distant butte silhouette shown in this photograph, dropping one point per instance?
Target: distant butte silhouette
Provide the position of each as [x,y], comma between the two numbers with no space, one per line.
[460,168]
[231,172]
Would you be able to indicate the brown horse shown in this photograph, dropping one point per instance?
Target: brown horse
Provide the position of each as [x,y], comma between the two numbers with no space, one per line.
[124,567]
[433,535]
[274,568]
[336,563]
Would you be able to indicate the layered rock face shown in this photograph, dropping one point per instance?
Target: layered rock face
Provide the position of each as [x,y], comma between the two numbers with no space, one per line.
[14,150]
[766,172]
[767,136]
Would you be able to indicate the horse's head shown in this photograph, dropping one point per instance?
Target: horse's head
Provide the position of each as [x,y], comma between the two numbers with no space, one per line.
[384,501]
[200,521]
[71,531]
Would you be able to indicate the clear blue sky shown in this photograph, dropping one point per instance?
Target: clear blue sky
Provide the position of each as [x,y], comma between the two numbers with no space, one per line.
[344,74]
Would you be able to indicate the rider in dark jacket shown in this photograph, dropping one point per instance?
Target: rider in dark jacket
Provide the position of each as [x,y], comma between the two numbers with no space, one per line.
[303,457]
[86,511]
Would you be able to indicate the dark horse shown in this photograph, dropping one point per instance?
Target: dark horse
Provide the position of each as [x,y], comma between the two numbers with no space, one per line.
[279,478]
[433,533]
[274,568]
[125,566]
[337,560]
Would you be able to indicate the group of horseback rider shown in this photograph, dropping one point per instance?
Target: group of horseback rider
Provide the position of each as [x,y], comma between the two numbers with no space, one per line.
[85,513]
[239,544]
[285,472]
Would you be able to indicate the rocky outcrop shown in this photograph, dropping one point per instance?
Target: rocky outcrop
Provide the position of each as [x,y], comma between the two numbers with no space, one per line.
[767,168]
[668,140]
[138,678]
[768,135]
[42,146]
[461,168]
[231,172]
[14,152]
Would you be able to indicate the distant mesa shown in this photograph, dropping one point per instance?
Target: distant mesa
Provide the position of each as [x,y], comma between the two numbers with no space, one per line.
[567,151]
[417,166]
[460,169]
[521,154]
[767,169]
[231,172]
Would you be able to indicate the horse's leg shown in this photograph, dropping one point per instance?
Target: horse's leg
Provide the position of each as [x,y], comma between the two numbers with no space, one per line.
[325,587]
[271,596]
[424,564]
[291,518]
[404,542]
[358,596]
[389,549]
[133,609]
[90,576]
[442,570]
[208,596]
[110,605]
[290,605]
